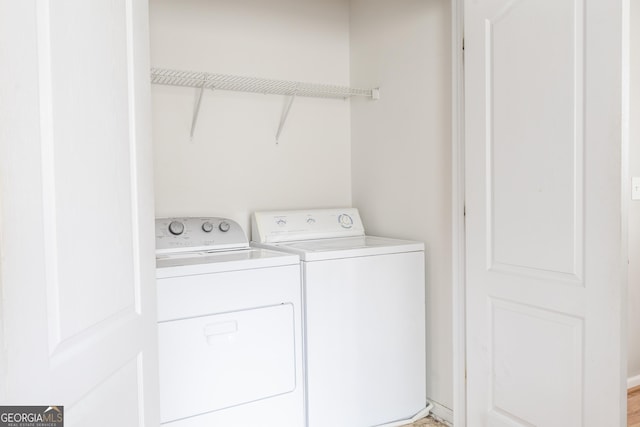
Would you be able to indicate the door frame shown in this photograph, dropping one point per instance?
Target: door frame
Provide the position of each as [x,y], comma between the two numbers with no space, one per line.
[457,211]
[458,196]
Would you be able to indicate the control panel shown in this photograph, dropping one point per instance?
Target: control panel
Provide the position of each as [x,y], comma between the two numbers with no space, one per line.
[289,226]
[194,234]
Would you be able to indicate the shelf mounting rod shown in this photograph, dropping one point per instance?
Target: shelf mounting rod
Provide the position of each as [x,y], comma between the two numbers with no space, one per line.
[283,118]
[196,108]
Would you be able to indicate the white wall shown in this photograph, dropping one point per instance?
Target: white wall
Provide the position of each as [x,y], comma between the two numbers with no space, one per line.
[634,206]
[401,145]
[233,165]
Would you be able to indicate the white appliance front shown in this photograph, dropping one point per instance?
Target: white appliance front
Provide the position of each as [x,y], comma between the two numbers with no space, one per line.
[364,301]
[365,338]
[230,338]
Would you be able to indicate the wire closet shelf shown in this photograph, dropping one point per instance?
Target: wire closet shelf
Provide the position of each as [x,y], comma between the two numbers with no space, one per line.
[203,80]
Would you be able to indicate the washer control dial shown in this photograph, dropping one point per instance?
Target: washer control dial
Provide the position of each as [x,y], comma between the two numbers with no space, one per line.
[207,227]
[224,226]
[345,221]
[176,228]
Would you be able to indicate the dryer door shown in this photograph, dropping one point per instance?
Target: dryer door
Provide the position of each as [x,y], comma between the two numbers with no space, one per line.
[209,363]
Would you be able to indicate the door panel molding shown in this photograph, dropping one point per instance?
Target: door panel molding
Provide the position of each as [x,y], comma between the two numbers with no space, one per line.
[514,380]
[537,252]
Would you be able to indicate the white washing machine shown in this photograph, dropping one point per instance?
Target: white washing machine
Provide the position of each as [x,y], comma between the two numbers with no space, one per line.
[229,326]
[364,302]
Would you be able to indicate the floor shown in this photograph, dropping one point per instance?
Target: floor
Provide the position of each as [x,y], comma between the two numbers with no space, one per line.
[633,412]
[633,408]
[426,422]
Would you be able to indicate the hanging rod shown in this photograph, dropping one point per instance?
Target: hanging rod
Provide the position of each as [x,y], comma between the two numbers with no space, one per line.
[204,80]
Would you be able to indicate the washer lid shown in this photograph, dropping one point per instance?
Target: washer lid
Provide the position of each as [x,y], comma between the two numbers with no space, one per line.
[186,264]
[346,247]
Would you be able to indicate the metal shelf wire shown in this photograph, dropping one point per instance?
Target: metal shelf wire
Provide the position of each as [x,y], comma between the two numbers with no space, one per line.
[292,89]
[204,80]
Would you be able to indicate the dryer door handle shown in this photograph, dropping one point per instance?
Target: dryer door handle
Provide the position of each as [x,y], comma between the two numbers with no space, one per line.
[214,331]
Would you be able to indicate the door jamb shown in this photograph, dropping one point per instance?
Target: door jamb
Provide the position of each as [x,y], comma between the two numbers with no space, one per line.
[458,214]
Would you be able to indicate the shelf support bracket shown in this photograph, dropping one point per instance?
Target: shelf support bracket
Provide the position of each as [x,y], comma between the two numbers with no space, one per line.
[196,109]
[283,118]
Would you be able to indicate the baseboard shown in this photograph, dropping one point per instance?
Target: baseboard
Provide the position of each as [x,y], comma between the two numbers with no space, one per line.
[633,382]
[442,413]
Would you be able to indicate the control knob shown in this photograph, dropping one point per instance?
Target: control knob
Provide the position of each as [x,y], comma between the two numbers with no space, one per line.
[345,221]
[207,227]
[224,226]
[176,228]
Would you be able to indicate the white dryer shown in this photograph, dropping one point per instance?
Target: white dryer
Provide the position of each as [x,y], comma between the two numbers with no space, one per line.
[364,302]
[229,326]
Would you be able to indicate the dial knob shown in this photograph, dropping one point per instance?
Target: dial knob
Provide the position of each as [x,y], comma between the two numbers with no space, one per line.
[207,227]
[345,221]
[176,228]
[224,226]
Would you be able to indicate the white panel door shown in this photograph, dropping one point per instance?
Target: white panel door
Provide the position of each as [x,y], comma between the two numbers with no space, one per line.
[545,273]
[78,274]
